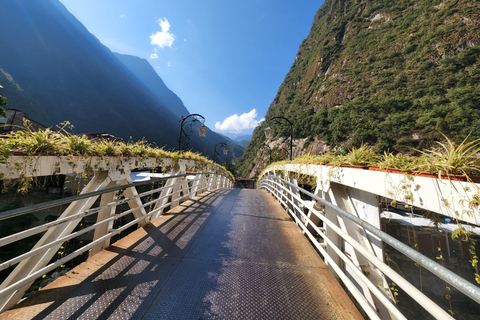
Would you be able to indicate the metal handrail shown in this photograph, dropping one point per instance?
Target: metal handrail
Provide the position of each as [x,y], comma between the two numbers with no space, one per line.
[19,284]
[35,230]
[458,282]
[365,305]
[55,203]
[461,284]
[78,252]
[33,252]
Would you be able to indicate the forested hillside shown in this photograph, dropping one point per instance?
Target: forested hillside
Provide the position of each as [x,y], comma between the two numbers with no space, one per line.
[393,74]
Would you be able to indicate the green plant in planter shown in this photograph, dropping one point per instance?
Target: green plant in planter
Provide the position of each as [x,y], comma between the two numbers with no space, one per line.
[398,161]
[108,148]
[326,158]
[79,145]
[452,159]
[361,156]
[31,142]
[322,159]
[62,142]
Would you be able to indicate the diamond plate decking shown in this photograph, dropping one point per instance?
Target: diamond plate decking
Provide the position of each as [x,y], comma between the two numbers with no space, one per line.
[230,254]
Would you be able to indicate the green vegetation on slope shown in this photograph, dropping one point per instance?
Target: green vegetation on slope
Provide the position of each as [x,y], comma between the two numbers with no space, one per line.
[393,74]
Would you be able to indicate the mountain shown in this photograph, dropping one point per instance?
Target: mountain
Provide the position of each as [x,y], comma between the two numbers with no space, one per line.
[53,69]
[242,143]
[146,75]
[393,74]
[238,136]
[239,139]
[64,69]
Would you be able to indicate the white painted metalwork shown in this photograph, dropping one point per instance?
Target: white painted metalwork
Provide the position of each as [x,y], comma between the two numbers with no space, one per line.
[110,177]
[342,220]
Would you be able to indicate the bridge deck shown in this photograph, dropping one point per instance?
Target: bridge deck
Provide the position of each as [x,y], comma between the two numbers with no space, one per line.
[230,254]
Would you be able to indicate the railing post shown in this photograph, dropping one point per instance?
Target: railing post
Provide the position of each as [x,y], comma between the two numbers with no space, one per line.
[294,202]
[318,207]
[175,192]
[203,185]
[331,215]
[364,206]
[211,182]
[197,185]
[183,188]
[165,195]
[135,203]
[104,229]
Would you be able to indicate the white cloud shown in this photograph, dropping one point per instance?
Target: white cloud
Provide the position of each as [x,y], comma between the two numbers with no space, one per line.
[153,56]
[242,122]
[169,64]
[163,38]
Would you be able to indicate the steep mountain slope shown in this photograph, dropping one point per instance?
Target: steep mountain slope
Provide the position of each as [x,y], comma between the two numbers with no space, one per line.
[145,76]
[389,73]
[144,72]
[64,69]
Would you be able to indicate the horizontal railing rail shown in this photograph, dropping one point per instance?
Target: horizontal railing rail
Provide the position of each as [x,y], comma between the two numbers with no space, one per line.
[55,203]
[112,183]
[32,231]
[326,225]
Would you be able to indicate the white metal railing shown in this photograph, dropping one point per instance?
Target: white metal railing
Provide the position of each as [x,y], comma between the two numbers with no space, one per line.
[111,178]
[346,232]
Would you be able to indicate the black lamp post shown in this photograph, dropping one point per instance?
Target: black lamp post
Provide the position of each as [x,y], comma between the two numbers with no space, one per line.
[222,145]
[269,132]
[186,128]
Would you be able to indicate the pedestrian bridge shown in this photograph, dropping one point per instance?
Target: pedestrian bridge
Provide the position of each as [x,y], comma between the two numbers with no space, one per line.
[206,251]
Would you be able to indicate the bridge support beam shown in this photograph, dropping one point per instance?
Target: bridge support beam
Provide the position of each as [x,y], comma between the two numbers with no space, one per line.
[165,194]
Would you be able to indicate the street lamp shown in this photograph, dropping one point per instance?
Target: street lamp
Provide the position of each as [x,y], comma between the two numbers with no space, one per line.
[269,132]
[186,128]
[222,145]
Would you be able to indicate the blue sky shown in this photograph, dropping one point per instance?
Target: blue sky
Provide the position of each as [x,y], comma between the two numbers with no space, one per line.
[224,58]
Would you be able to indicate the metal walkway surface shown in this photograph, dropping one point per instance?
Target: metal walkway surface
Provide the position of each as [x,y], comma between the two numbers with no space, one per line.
[228,254]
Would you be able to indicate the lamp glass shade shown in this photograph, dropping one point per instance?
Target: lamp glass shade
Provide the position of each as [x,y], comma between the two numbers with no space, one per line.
[202,130]
[225,151]
[269,132]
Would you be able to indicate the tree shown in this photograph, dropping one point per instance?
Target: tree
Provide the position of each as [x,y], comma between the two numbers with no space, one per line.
[231,167]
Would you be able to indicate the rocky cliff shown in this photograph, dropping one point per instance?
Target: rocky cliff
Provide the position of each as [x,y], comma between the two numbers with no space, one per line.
[393,74]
